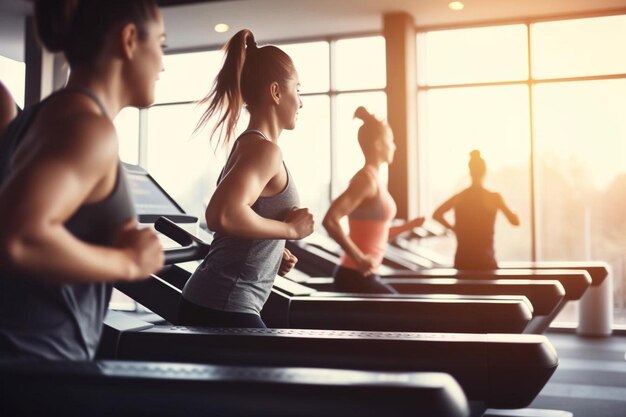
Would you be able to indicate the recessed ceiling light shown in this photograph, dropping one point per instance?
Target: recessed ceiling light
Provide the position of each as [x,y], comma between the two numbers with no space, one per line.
[456,5]
[221,27]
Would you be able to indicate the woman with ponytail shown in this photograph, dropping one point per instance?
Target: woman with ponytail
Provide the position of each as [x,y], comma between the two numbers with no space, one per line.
[67,228]
[254,208]
[370,210]
[475,210]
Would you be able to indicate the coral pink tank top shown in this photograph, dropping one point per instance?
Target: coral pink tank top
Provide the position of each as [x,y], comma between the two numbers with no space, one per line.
[369,224]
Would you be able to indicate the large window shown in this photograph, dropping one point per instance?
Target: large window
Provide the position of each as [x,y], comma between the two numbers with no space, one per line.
[494,120]
[470,97]
[13,74]
[575,134]
[579,47]
[465,56]
[127,127]
[360,64]
[185,163]
[343,75]
[347,154]
[580,142]
[306,149]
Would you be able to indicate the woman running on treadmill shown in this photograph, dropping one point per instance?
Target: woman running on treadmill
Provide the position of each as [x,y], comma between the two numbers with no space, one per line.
[67,227]
[370,210]
[253,210]
[475,210]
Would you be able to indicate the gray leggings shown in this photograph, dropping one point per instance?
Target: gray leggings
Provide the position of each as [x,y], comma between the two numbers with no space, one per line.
[191,314]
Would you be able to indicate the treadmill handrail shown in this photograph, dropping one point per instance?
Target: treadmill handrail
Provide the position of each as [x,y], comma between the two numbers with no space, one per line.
[122,388]
[193,248]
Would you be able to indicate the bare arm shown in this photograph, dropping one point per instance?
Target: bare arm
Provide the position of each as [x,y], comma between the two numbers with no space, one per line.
[512,217]
[438,215]
[411,224]
[255,163]
[76,165]
[361,187]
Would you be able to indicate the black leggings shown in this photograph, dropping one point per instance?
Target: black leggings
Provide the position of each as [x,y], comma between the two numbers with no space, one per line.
[191,314]
[350,280]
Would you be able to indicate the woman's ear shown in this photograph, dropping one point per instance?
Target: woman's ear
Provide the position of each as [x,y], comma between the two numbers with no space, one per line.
[275,92]
[128,40]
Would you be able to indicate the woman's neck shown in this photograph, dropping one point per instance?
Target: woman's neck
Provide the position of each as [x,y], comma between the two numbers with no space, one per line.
[265,124]
[477,183]
[103,88]
[375,163]
[373,166]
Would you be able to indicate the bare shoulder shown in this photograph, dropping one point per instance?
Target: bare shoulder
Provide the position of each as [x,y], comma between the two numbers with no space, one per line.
[365,182]
[364,175]
[90,136]
[252,147]
[495,199]
[77,134]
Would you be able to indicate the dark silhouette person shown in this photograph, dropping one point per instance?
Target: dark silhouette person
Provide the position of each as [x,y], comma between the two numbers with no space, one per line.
[253,210]
[67,223]
[475,210]
[370,210]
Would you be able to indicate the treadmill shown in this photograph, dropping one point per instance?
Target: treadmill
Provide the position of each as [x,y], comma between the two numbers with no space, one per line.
[575,282]
[576,278]
[407,248]
[544,295]
[410,250]
[512,383]
[320,254]
[158,389]
[494,370]
[517,366]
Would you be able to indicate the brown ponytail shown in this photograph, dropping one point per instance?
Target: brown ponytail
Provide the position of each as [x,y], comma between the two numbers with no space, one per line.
[53,19]
[225,98]
[246,71]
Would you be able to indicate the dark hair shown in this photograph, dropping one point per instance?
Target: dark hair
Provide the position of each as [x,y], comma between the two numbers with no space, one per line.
[78,28]
[246,71]
[477,165]
[372,129]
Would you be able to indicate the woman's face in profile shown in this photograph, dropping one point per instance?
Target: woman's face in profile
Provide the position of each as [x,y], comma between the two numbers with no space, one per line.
[389,147]
[149,61]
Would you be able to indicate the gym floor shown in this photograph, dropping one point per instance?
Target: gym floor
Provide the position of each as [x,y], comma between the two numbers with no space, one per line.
[591,378]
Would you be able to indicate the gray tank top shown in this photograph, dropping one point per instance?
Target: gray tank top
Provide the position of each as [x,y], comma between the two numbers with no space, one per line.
[237,274]
[39,320]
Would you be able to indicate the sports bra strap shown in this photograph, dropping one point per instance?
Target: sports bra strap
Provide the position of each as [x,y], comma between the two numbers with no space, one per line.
[258,132]
[90,93]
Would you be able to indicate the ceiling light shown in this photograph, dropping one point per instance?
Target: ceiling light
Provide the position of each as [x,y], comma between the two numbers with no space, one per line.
[456,5]
[221,27]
